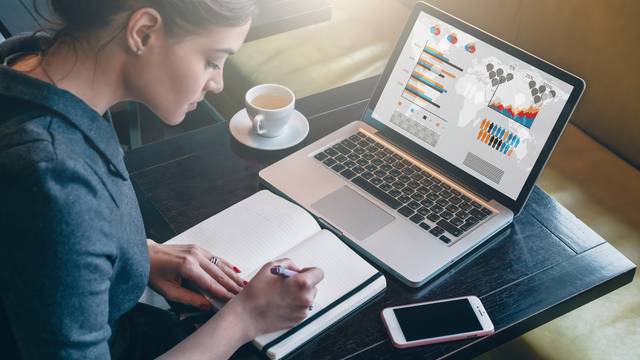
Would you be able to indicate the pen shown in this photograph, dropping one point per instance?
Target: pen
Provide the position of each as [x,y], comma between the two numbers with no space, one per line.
[283,272]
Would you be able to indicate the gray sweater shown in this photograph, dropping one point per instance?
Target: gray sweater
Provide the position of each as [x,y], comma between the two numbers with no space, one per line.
[73,254]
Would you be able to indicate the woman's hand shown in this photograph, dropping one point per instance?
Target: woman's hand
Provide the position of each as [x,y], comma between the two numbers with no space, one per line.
[174,267]
[271,303]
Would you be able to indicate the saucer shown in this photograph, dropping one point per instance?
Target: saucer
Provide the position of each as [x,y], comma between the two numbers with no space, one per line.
[296,131]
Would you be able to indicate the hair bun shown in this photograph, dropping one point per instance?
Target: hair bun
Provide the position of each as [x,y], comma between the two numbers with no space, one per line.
[82,14]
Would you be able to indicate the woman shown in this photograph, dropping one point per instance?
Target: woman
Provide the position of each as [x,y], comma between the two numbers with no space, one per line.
[74,258]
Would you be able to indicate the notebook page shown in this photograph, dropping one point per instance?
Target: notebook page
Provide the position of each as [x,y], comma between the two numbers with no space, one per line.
[253,231]
[343,270]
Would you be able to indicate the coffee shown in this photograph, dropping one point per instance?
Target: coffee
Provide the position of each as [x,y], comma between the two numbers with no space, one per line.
[270,101]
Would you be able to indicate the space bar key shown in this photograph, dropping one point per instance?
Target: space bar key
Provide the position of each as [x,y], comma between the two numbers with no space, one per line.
[379,194]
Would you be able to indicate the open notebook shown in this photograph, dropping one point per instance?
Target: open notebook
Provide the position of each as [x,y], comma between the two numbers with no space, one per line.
[265,227]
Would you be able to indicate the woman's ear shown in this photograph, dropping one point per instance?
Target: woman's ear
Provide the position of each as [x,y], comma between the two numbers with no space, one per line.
[144,27]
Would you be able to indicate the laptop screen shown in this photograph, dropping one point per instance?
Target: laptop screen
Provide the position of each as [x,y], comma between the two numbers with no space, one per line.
[472,104]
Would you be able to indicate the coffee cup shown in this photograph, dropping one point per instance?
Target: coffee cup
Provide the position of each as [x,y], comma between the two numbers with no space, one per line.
[270,107]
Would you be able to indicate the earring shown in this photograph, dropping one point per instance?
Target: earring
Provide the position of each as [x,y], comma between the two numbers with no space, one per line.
[138,51]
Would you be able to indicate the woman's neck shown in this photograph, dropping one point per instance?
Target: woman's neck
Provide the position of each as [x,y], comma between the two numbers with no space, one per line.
[97,80]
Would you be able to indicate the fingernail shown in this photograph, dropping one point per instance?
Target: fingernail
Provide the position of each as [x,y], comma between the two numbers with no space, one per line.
[245,282]
[235,268]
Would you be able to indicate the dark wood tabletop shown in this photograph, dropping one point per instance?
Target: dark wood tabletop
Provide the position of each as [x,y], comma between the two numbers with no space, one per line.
[544,265]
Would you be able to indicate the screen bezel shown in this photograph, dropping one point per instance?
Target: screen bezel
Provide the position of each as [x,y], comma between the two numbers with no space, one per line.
[397,333]
[453,171]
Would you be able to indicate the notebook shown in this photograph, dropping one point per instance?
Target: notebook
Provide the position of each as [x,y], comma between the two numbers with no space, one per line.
[265,227]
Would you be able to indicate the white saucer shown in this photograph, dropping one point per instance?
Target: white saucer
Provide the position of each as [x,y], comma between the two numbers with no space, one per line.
[296,130]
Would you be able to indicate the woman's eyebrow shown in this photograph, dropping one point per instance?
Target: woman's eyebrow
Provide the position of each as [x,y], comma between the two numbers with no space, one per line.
[228,51]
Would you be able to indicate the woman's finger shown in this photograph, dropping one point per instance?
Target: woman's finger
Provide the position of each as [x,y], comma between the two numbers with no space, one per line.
[186,296]
[205,282]
[231,273]
[219,275]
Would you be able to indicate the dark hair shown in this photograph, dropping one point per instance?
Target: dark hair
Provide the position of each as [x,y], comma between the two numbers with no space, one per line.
[74,18]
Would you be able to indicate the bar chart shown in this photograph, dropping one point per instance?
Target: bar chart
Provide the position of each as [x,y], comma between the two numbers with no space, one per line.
[426,83]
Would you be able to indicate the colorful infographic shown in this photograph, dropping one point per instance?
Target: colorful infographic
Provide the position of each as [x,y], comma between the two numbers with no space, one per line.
[497,137]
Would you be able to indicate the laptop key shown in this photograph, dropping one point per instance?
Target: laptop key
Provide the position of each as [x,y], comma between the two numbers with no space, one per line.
[377,193]
[452,208]
[462,214]
[353,156]
[414,205]
[321,156]
[425,226]
[348,144]
[442,202]
[349,164]
[341,149]
[445,239]
[457,221]
[456,192]
[417,177]
[445,194]
[437,209]
[433,217]
[406,211]
[436,188]
[331,152]
[348,174]
[408,171]
[367,175]
[358,169]
[395,172]
[362,162]
[414,184]
[380,173]
[477,213]
[368,156]
[376,181]
[417,197]
[446,186]
[486,211]
[436,231]
[404,178]
[361,135]
[330,162]
[398,184]
[424,211]
[338,167]
[449,227]
[407,190]
[371,167]
[432,196]
[471,220]
[427,203]
[465,227]
[340,158]
[476,204]
[385,187]
[359,150]
[404,199]
[354,138]
[464,206]
[394,193]
[417,218]
[386,167]
[455,200]
[446,215]
[389,179]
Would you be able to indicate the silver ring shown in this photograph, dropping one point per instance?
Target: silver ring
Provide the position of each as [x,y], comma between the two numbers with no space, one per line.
[214,260]
[310,308]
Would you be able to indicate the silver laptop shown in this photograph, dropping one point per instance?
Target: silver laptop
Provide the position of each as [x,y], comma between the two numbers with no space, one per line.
[448,150]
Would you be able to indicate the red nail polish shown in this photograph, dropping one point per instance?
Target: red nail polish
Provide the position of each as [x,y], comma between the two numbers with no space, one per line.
[245,282]
[235,268]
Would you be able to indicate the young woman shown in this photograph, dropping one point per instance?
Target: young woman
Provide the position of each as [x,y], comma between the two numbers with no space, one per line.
[74,259]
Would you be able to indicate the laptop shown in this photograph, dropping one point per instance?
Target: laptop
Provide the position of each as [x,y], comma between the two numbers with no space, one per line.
[446,153]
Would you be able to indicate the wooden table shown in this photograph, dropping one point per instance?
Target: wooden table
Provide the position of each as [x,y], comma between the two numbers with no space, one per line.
[544,265]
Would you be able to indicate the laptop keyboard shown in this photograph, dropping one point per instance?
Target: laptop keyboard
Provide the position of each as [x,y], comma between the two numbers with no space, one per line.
[414,193]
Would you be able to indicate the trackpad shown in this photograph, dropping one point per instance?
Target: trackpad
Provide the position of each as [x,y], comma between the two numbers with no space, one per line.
[353,213]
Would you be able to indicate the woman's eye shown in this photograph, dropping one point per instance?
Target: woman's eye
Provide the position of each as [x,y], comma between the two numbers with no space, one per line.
[212,65]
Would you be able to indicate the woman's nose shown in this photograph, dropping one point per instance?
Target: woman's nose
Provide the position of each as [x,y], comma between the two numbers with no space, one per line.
[214,85]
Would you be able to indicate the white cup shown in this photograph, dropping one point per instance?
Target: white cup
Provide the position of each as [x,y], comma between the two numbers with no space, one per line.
[269,118]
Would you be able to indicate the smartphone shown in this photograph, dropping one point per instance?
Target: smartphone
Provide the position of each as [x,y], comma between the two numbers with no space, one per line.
[437,321]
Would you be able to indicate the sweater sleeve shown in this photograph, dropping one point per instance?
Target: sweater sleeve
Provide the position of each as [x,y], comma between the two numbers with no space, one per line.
[57,261]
